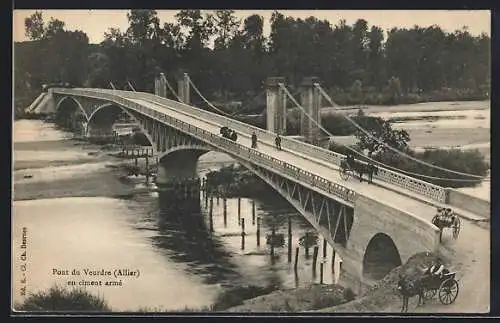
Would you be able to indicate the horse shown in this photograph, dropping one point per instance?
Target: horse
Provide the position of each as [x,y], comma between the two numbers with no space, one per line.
[409,289]
[362,168]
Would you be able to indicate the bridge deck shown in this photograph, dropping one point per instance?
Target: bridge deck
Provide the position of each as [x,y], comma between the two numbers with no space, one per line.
[328,171]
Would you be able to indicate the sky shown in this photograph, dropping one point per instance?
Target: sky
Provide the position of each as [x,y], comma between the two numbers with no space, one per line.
[95,22]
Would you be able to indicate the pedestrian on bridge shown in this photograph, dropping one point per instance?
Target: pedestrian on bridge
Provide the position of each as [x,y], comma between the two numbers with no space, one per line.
[254,140]
[278,142]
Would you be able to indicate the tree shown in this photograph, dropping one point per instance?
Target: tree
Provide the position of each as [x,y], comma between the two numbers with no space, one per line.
[98,73]
[381,133]
[34,26]
[144,25]
[54,27]
[226,28]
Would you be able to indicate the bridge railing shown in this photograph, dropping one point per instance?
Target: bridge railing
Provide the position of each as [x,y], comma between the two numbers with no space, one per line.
[421,187]
[229,146]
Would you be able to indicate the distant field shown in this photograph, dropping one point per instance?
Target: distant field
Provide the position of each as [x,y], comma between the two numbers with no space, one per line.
[423,107]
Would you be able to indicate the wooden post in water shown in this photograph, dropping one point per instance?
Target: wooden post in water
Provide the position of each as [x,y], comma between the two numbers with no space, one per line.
[273,237]
[324,248]
[289,239]
[258,231]
[296,258]
[217,198]
[315,258]
[206,199]
[147,169]
[224,202]
[243,234]
[253,212]
[333,261]
[239,210]
[211,214]
[321,272]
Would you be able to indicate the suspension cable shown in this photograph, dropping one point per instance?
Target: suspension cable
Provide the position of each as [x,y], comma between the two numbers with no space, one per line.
[170,87]
[392,148]
[359,153]
[210,104]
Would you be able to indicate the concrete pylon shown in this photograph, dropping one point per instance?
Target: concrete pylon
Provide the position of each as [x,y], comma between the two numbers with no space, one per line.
[183,88]
[311,102]
[161,86]
[276,105]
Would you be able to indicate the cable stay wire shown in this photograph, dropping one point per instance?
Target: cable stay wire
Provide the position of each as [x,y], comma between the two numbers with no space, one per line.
[390,147]
[361,154]
[208,102]
[130,85]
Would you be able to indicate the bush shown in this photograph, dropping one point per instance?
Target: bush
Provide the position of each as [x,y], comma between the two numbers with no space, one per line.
[61,299]
[468,161]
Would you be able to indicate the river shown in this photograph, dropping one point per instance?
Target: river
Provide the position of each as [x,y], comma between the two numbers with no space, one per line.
[181,264]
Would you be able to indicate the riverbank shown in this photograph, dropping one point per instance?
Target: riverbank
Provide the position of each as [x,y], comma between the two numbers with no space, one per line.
[80,170]
[309,298]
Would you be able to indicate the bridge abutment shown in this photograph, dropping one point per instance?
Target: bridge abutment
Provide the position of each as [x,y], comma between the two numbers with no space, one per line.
[311,102]
[276,105]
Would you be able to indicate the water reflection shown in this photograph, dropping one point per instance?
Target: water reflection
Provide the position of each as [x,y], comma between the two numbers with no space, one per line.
[183,231]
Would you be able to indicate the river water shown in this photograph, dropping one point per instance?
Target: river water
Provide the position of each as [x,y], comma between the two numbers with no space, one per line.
[181,264]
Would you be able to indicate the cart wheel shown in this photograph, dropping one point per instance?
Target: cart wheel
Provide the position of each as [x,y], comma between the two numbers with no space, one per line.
[344,173]
[456,228]
[448,291]
[429,293]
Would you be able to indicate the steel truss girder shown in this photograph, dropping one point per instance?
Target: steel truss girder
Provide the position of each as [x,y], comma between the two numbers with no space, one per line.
[327,213]
[165,137]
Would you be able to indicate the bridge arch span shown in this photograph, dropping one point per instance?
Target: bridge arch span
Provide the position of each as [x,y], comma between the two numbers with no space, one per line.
[114,109]
[80,106]
[381,256]
[199,149]
[179,162]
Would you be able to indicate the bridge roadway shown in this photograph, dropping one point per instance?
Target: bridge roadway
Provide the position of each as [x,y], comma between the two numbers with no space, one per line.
[320,168]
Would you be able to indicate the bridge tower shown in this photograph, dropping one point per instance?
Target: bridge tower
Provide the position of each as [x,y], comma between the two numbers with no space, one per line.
[161,86]
[276,105]
[183,88]
[311,102]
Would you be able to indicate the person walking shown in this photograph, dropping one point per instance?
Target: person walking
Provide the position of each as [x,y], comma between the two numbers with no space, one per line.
[278,142]
[254,140]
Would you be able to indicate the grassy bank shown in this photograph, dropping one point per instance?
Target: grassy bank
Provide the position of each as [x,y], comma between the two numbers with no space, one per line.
[62,299]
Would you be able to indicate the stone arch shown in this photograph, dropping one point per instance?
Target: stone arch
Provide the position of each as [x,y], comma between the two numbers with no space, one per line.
[60,101]
[381,256]
[112,104]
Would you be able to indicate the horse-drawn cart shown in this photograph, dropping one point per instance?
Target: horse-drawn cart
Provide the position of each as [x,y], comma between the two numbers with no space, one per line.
[447,221]
[345,170]
[446,286]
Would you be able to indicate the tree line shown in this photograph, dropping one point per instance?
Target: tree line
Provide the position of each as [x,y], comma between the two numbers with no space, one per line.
[229,59]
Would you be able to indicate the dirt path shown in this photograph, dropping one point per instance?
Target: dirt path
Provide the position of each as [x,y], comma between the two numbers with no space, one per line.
[470,258]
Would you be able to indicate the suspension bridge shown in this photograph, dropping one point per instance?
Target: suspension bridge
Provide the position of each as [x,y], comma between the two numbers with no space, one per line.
[358,219]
